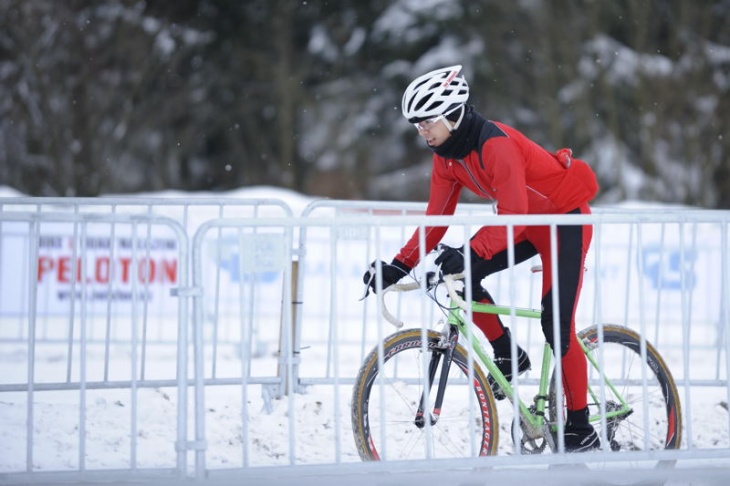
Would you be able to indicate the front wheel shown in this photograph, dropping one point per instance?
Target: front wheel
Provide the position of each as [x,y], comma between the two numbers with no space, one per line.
[385,402]
[641,399]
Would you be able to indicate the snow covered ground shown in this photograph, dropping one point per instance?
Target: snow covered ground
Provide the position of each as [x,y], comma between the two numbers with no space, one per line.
[137,428]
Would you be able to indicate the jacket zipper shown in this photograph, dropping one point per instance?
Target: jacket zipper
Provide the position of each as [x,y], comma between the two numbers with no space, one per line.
[537,192]
[473,179]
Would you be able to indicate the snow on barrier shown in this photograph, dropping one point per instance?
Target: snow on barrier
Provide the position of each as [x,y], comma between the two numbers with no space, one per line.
[100,312]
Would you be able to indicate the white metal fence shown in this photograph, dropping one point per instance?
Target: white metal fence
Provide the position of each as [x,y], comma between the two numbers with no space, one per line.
[220,338]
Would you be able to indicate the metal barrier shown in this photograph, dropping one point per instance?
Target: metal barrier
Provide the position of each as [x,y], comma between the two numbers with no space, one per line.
[70,380]
[190,213]
[665,273]
[94,300]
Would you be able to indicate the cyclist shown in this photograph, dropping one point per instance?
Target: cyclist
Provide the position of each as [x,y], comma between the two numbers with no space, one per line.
[497,162]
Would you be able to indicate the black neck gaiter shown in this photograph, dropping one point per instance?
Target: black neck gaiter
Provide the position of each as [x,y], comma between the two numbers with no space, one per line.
[465,138]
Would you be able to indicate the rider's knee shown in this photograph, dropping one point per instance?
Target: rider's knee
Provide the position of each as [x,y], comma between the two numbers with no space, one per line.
[565,341]
[480,294]
[564,346]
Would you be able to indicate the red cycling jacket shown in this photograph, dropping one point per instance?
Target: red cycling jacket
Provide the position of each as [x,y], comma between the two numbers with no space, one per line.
[514,171]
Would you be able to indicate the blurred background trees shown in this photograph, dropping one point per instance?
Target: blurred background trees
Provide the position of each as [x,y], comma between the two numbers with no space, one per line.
[110,97]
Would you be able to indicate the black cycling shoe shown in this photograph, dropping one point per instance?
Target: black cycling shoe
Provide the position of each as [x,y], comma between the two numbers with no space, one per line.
[504,363]
[580,436]
[581,440]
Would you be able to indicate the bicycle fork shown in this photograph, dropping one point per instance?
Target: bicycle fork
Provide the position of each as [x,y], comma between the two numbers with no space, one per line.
[420,420]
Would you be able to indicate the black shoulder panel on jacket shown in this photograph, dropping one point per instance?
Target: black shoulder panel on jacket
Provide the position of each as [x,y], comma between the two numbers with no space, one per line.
[489,130]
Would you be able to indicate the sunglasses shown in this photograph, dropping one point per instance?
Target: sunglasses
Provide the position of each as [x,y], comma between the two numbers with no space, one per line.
[426,125]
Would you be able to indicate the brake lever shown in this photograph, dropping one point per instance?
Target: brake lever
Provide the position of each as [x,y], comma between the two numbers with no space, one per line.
[432,280]
[367,292]
[367,286]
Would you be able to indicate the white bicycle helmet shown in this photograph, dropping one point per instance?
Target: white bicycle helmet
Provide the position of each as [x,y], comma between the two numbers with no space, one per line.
[437,93]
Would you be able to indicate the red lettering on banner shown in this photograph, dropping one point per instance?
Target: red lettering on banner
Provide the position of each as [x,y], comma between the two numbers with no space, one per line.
[99,269]
[125,268]
[45,265]
[64,269]
[79,273]
[101,273]
[169,269]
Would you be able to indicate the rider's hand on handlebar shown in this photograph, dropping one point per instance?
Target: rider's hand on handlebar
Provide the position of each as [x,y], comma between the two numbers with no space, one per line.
[451,260]
[391,273]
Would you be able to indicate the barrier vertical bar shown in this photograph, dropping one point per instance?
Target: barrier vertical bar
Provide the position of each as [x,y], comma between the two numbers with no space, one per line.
[660,277]
[145,301]
[181,456]
[80,269]
[557,348]
[629,267]
[199,372]
[722,328]
[642,327]
[183,308]
[198,357]
[72,300]
[32,314]
[598,322]
[334,328]
[512,291]
[245,355]
[134,275]
[332,322]
[216,305]
[288,341]
[110,286]
[686,333]
[725,312]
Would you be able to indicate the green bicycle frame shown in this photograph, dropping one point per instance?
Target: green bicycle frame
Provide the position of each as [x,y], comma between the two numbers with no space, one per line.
[595,396]
[534,419]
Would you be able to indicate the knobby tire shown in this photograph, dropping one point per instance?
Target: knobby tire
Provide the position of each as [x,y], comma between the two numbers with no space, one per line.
[622,360]
[384,403]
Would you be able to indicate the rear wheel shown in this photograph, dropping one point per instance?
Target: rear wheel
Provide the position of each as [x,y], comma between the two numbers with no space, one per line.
[654,417]
[386,398]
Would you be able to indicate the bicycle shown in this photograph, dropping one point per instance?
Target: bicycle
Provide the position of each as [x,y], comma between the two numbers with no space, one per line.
[398,414]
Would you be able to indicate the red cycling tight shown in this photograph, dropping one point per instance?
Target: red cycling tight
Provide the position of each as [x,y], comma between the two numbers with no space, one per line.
[573,242]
